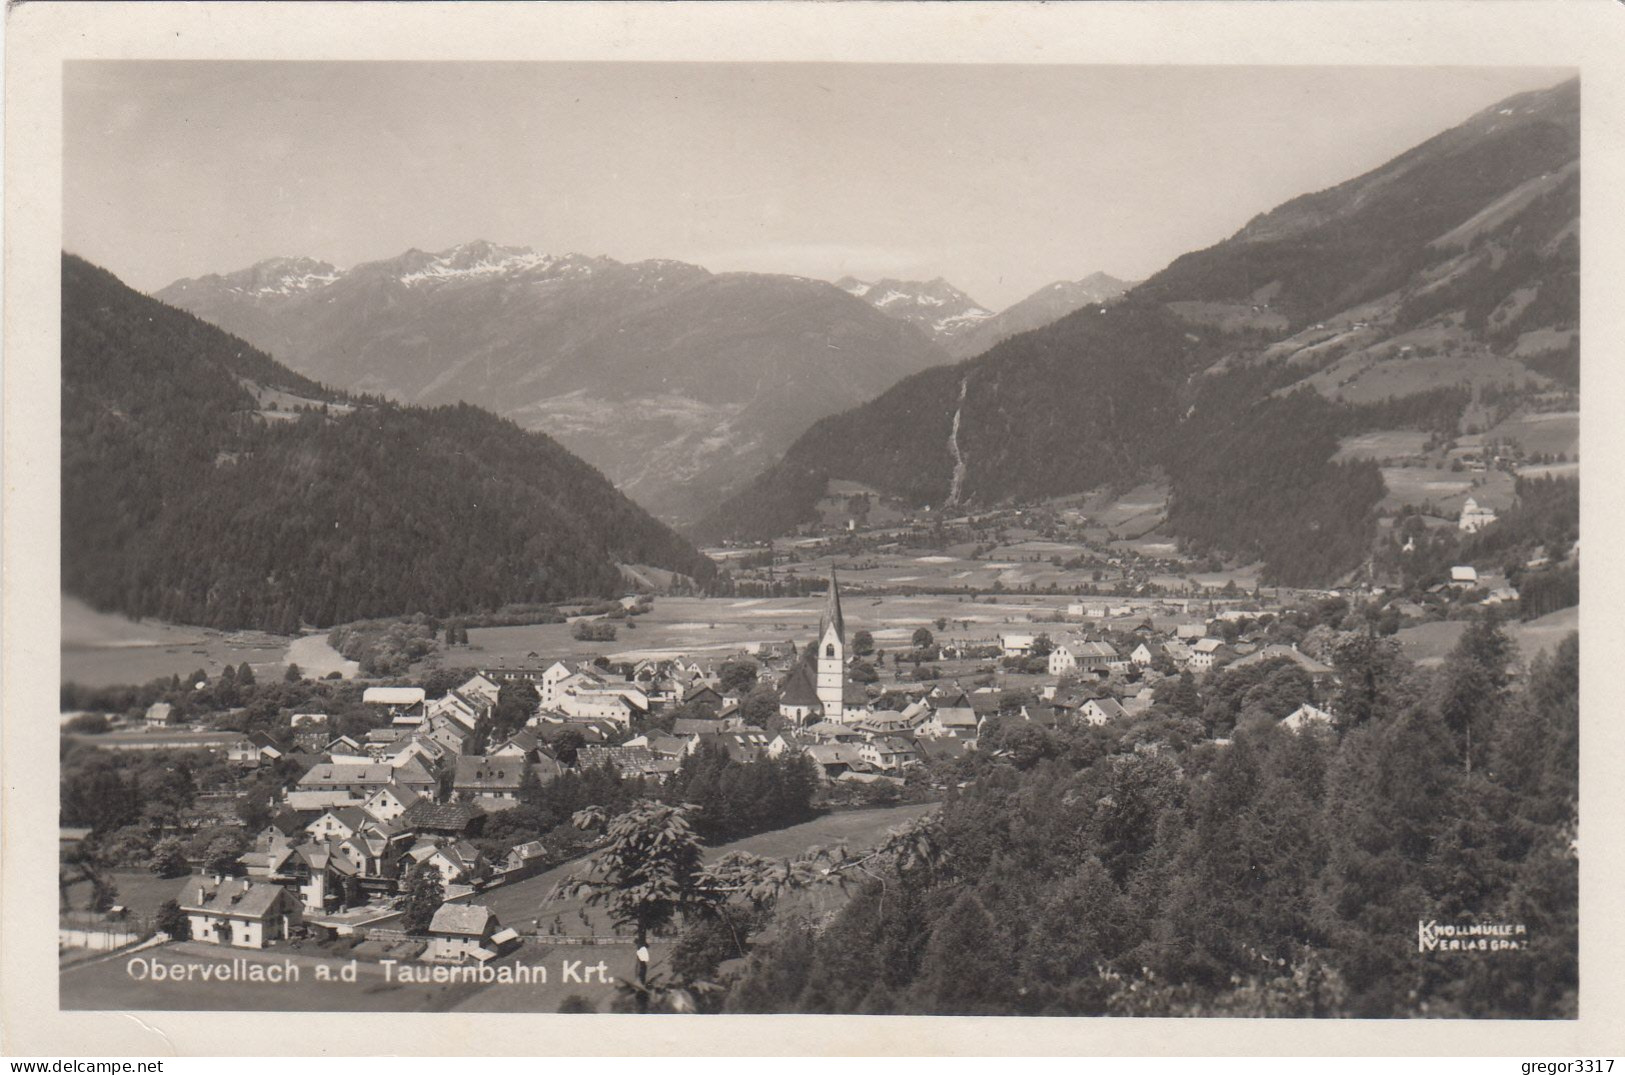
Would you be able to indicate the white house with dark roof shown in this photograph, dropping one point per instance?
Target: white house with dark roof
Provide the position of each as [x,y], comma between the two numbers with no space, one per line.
[237,911]
[462,931]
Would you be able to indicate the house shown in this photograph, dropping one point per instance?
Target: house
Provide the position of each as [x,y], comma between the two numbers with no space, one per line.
[1319,672]
[1207,653]
[744,746]
[488,777]
[1145,654]
[441,819]
[459,862]
[450,734]
[833,759]
[160,714]
[238,912]
[1473,517]
[1190,632]
[254,748]
[1017,644]
[453,707]
[617,704]
[461,931]
[403,704]
[1074,654]
[948,749]
[630,762]
[389,802]
[346,783]
[481,688]
[524,744]
[957,721]
[1098,711]
[888,753]
[1304,716]
[339,823]
[1463,577]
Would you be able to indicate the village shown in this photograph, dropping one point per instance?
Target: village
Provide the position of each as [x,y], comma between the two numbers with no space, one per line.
[358,825]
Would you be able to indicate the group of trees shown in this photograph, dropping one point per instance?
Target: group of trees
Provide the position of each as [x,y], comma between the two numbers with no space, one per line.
[739,798]
[1281,874]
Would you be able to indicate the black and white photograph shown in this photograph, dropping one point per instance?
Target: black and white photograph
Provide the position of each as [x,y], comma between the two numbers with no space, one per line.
[818,538]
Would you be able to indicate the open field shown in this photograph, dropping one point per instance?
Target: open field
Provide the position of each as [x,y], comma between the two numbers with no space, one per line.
[710,628]
[1428,643]
[142,891]
[1445,488]
[1383,444]
[102,649]
[1547,433]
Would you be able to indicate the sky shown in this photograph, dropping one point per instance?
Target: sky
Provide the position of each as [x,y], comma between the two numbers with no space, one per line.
[998,178]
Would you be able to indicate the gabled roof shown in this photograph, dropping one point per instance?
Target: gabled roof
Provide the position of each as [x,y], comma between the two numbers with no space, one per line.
[478,771]
[445,817]
[392,695]
[1278,652]
[463,920]
[332,775]
[799,689]
[234,896]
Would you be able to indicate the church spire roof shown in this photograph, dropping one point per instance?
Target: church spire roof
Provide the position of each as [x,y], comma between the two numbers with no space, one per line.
[832,610]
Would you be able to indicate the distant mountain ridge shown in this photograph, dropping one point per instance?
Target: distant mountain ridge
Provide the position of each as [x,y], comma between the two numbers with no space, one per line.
[203,482]
[935,307]
[1394,300]
[1049,303]
[677,382]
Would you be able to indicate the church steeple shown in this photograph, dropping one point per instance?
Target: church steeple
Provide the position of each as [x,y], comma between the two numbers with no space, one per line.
[832,611]
[831,677]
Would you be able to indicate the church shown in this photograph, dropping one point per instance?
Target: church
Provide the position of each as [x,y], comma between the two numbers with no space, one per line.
[817,688]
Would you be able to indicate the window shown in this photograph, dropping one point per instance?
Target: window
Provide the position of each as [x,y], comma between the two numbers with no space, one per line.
[829,650]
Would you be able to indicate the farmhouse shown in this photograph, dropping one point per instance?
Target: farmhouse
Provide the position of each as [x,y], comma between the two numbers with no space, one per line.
[237,911]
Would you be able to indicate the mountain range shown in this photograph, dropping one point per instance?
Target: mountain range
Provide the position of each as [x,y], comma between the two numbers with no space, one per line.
[203,482]
[1445,277]
[678,383]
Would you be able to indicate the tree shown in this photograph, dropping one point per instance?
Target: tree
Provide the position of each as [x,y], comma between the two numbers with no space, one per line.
[567,743]
[245,675]
[221,856]
[648,872]
[425,892]
[737,676]
[172,921]
[923,637]
[1042,646]
[168,858]
[760,706]
[863,643]
[293,675]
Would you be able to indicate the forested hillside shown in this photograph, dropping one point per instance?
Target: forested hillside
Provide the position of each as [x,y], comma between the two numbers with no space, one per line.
[1446,276]
[202,482]
[1148,870]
